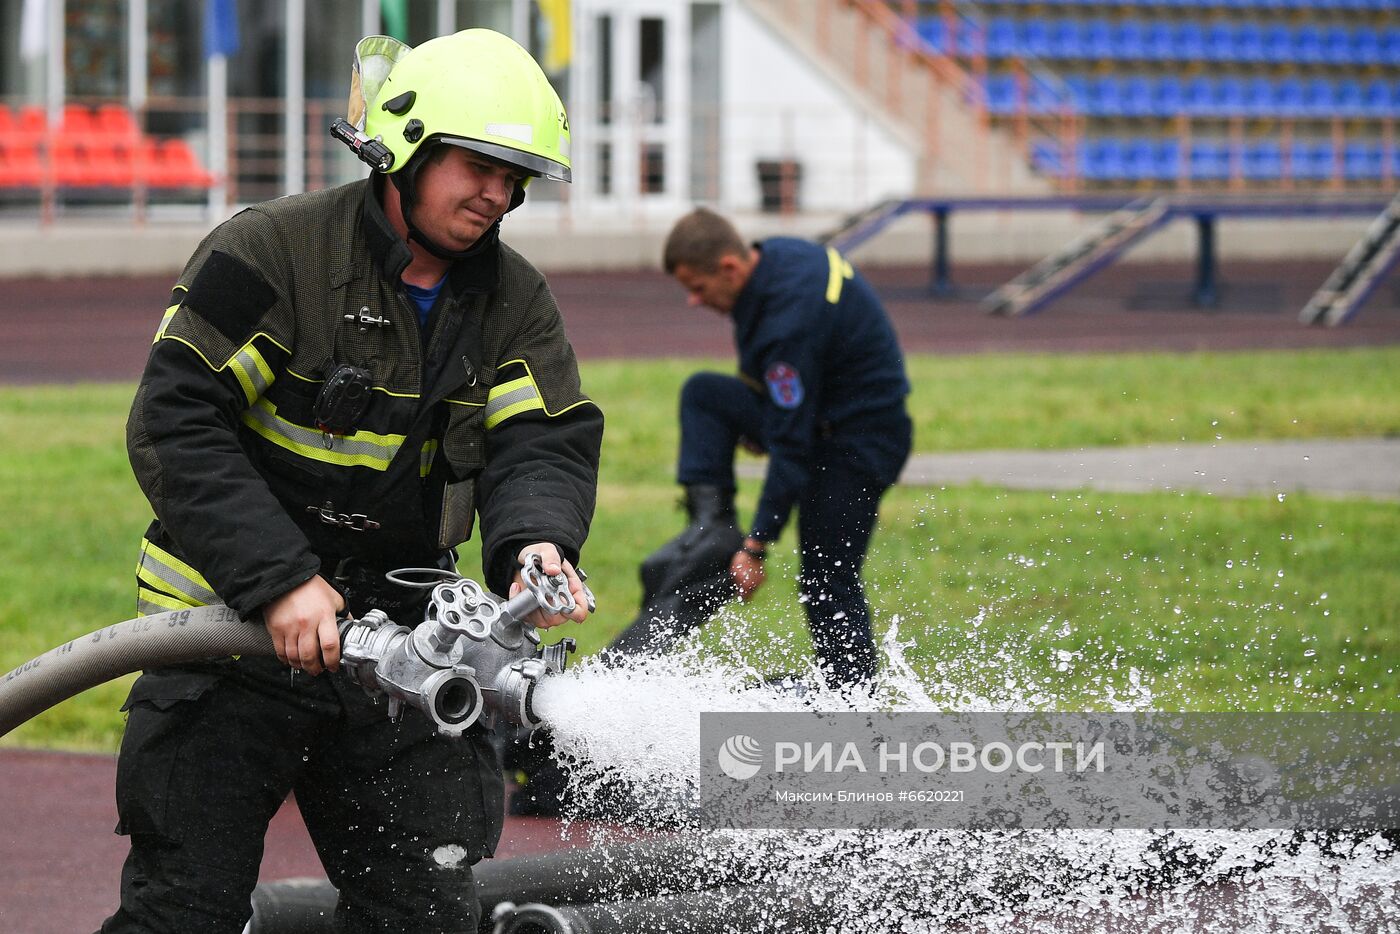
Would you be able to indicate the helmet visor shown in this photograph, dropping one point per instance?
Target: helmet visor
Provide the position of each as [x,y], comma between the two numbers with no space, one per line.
[529,162]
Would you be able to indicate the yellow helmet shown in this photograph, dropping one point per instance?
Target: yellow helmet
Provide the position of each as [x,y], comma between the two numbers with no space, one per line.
[477,89]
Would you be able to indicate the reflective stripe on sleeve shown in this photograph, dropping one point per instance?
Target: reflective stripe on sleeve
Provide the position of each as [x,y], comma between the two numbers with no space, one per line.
[159,568]
[511,398]
[840,271]
[165,322]
[251,371]
[361,449]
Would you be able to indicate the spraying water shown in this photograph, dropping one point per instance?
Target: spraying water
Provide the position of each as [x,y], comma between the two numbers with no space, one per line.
[630,730]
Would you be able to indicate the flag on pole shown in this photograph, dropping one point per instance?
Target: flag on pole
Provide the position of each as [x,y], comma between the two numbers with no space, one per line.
[559,39]
[220,28]
[395,13]
[33,29]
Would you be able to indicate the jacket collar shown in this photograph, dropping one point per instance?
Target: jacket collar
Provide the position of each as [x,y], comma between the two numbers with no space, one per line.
[749,302]
[478,271]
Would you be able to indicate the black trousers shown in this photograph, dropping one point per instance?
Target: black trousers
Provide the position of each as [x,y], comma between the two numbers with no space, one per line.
[835,516]
[398,814]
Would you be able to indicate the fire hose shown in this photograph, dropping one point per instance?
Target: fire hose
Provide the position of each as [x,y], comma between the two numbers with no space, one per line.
[473,651]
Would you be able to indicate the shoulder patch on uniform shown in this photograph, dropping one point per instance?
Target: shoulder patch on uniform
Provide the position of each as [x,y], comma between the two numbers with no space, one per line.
[784,385]
[230,295]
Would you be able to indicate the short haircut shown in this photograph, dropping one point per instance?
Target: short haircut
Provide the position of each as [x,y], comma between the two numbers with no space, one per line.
[699,240]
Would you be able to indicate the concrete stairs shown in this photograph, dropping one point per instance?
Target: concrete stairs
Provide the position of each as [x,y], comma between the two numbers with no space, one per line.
[926,100]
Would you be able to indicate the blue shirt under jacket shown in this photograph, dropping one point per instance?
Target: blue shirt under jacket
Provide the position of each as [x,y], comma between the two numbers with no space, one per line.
[813,337]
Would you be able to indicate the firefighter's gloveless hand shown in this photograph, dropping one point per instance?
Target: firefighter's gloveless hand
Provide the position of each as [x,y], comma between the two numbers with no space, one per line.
[302,623]
[746,571]
[552,563]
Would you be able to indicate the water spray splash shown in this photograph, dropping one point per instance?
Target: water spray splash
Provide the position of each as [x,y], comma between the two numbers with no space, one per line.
[629,729]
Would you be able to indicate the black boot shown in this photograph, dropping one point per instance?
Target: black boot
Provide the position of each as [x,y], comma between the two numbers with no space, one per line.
[686,580]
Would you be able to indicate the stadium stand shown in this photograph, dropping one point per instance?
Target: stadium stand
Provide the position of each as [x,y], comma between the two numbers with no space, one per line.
[1252,94]
[92,148]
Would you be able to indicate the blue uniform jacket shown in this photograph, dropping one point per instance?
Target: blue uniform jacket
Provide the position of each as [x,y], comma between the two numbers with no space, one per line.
[814,339]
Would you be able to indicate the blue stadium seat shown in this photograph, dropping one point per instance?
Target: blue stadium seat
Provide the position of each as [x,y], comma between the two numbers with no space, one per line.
[972,38]
[1362,161]
[1366,46]
[1319,98]
[1210,160]
[1249,43]
[1102,159]
[1219,43]
[1198,97]
[1188,42]
[1127,41]
[1001,94]
[1140,159]
[1261,97]
[931,31]
[1046,158]
[1289,98]
[1079,92]
[1168,98]
[1136,97]
[1336,45]
[1350,102]
[1100,42]
[1066,40]
[1390,46]
[1001,38]
[1307,44]
[1035,38]
[1312,160]
[1375,98]
[1278,43]
[1229,96]
[1158,40]
[1263,160]
[1166,160]
[1105,98]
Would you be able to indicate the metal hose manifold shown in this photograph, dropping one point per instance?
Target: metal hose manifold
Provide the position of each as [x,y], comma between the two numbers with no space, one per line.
[472,651]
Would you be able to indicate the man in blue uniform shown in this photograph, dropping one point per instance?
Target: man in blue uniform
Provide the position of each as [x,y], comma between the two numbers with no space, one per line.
[821,389]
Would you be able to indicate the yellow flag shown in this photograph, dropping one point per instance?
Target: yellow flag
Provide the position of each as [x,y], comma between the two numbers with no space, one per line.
[559,39]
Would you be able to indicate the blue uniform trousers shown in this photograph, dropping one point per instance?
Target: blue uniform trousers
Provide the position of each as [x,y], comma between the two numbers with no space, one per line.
[836,514]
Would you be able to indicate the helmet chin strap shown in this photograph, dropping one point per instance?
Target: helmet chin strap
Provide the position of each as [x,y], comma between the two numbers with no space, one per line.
[405,181]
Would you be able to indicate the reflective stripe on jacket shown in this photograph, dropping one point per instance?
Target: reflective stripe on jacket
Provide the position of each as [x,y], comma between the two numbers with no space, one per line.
[483,415]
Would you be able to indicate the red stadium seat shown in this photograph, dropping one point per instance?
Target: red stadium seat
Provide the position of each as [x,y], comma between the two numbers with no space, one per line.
[70,164]
[20,166]
[111,164]
[78,123]
[30,126]
[174,165]
[116,122]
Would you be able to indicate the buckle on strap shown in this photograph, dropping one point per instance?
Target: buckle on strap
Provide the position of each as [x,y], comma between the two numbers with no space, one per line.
[355,522]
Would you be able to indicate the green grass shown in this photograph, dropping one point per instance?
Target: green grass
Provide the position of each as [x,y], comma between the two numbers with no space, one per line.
[1212,603]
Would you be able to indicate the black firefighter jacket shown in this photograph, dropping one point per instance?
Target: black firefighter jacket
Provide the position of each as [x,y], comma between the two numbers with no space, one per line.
[483,417]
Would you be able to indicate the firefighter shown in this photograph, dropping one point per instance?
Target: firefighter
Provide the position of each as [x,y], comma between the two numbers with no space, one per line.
[344,382]
[821,389]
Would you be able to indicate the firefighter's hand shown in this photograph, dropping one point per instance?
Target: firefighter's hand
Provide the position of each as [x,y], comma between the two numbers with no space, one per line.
[302,623]
[746,570]
[553,564]
[754,447]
